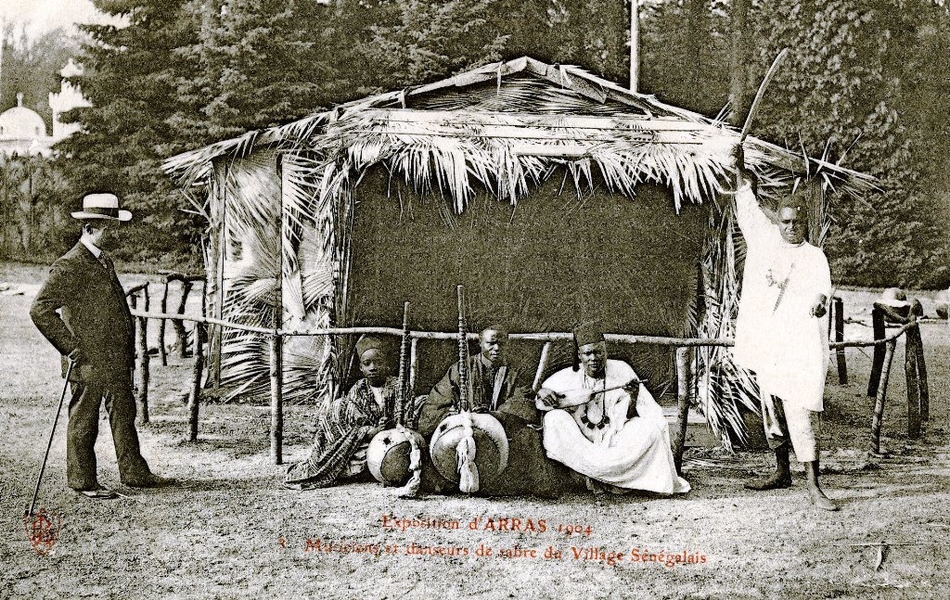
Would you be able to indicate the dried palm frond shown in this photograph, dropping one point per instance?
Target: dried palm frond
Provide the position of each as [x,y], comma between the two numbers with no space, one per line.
[724,390]
[525,97]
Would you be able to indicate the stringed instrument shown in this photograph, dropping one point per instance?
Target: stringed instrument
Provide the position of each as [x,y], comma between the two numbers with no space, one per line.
[394,456]
[468,448]
[579,396]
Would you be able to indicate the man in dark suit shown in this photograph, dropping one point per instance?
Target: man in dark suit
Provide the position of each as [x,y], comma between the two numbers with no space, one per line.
[82,311]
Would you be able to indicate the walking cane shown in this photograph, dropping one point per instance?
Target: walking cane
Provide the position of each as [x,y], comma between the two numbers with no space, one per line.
[49,445]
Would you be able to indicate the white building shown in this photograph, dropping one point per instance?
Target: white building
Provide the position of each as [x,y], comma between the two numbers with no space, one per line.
[23,131]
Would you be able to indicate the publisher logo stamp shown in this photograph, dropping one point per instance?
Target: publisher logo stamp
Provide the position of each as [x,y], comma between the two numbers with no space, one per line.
[42,530]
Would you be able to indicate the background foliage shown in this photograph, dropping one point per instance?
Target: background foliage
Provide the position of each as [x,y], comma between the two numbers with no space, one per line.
[866,83]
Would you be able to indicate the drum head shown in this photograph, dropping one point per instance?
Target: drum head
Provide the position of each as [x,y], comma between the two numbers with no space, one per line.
[491,447]
[388,456]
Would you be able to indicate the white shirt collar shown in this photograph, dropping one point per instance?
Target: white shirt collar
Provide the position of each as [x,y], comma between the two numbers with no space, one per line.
[90,246]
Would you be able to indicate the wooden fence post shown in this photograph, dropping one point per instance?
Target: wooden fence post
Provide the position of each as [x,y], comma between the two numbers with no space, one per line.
[913,382]
[838,310]
[179,325]
[877,322]
[195,397]
[276,399]
[142,398]
[161,326]
[684,379]
[881,393]
[921,374]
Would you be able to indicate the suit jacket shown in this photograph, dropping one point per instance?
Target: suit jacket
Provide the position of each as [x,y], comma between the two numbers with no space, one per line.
[93,314]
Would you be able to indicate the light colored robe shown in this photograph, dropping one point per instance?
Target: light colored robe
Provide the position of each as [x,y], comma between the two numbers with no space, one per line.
[631,454]
[777,337]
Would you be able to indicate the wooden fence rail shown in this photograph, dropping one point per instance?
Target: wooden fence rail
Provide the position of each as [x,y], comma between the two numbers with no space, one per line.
[918,394]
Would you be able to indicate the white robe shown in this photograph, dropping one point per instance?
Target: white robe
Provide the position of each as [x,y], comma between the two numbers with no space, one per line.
[632,454]
[776,335]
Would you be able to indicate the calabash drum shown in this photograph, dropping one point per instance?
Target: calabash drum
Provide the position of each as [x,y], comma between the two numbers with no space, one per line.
[389,455]
[491,446]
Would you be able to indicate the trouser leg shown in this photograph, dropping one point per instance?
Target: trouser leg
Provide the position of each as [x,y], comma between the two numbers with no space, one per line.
[81,433]
[774,421]
[777,434]
[120,405]
[803,426]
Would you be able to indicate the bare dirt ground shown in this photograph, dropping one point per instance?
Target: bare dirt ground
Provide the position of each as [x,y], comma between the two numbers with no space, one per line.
[229,530]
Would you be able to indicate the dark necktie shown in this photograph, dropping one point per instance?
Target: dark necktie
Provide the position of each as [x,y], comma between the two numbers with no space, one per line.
[106,262]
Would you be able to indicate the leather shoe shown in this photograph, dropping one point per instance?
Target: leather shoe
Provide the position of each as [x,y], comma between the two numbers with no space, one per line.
[151,481]
[99,493]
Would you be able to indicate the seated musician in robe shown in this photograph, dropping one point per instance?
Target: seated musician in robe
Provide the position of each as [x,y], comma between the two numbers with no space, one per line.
[494,388]
[590,431]
[346,425]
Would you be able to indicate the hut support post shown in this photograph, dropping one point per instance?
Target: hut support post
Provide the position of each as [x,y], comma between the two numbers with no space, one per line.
[877,321]
[276,400]
[684,379]
[838,310]
[195,397]
[881,395]
[219,244]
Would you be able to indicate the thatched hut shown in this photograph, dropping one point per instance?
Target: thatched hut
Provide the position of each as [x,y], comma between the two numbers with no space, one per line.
[553,195]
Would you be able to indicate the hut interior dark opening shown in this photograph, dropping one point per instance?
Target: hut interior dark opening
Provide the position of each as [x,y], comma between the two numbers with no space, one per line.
[545,264]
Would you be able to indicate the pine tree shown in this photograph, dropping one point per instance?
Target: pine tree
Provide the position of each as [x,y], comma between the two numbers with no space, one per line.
[130,77]
[850,85]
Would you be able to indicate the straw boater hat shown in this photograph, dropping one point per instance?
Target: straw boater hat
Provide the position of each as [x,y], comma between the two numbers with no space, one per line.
[102,206]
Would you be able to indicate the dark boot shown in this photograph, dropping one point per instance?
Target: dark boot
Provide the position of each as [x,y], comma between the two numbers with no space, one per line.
[781,478]
[818,497]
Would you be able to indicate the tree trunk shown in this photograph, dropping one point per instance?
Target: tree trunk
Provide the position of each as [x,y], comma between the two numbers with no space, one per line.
[738,88]
[696,37]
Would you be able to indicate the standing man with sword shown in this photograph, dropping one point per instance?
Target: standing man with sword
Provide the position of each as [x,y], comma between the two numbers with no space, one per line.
[81,309]
[781,329]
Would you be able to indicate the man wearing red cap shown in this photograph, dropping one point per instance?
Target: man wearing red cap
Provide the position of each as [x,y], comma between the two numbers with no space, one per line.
[587,427]
[82,311]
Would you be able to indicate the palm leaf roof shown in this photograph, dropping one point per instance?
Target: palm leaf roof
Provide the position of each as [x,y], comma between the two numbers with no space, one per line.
[507,125]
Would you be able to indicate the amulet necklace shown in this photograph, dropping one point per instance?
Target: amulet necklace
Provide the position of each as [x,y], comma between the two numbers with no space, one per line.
[604,419]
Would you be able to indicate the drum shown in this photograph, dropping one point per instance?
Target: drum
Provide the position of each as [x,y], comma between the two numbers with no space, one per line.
[491,446]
